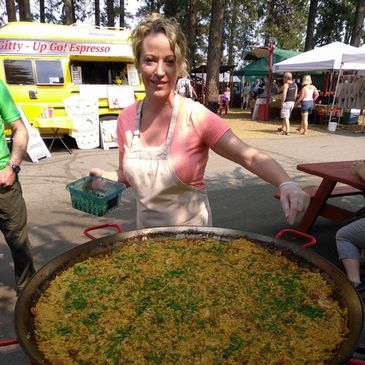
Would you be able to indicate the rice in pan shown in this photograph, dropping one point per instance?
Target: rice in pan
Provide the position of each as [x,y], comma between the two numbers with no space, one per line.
[189,301]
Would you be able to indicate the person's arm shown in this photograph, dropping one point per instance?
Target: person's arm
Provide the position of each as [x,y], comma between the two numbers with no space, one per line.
[285,91]
[116,175]
[18,150]
[300,98]
[293,198]
[315,94]
[296,91]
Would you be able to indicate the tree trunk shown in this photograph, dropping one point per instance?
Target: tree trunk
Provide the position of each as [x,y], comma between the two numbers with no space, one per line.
[269,23]
[42,15]
[24,11]
[97,13]
[232,33]
[214,53]
[10,10]
[358,23]
[121,15]
[110,13]
[191,32]
[310,25]
[68,12]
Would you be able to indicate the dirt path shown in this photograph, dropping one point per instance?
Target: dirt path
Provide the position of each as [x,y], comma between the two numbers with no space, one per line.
[242,125]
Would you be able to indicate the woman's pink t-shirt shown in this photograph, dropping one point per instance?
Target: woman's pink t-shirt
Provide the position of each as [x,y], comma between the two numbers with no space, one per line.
[197,129]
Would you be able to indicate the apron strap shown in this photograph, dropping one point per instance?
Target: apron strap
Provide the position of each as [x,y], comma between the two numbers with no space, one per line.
[137,120]
[175,111]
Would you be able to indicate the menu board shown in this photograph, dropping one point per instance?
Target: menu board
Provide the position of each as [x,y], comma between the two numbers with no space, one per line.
[36,148]
[108,133]
[120,96]
[133,77]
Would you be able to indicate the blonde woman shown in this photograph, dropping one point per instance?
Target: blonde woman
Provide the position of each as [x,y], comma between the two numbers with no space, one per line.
[307,97]
[164,140]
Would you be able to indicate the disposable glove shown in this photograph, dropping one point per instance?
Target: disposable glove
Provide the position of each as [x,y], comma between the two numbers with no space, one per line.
[293,200]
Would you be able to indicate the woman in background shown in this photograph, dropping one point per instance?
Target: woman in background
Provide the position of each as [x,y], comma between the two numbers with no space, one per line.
[308,95]
[246,94]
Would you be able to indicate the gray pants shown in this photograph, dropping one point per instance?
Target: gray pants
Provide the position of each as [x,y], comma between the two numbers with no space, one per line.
[350,239]
[13,224]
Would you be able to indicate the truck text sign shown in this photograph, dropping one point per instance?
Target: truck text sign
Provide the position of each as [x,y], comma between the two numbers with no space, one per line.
[57,48]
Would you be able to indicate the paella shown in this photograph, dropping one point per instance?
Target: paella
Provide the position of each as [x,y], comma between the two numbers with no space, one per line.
[189,301]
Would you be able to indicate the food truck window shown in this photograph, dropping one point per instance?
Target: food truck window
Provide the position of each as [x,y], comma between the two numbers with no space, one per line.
[19,72]
[97,72]
[49,72]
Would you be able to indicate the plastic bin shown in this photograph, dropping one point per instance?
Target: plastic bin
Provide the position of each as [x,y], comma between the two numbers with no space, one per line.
[95,195]
[261,112]
[351,117]
[258,103]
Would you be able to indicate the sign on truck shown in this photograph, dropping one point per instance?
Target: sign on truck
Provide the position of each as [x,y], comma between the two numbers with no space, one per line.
[44,64]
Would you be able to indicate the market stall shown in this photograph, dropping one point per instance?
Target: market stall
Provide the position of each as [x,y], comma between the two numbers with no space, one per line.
[329,60]
[261,67]
[354,61]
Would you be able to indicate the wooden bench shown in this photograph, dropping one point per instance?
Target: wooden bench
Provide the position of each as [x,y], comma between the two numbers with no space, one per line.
[338,191]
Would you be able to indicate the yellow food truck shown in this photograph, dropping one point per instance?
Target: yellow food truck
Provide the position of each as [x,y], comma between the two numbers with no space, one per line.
[44,64]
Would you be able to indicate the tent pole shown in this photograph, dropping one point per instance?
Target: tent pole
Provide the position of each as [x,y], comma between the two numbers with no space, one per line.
[335,93]
[329,91]
[267,106]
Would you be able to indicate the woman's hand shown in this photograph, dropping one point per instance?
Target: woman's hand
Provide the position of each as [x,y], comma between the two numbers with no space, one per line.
[293,200]
[111,175]
[96,172]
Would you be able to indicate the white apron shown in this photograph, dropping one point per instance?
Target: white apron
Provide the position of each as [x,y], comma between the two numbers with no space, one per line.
[162,199]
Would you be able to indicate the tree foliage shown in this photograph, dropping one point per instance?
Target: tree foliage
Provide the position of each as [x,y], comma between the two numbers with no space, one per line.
[334,21]
[247,24]
[284,23]
[240,33]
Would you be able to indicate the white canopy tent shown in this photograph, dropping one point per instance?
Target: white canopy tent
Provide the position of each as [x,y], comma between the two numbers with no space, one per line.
[354,59]
[328,57]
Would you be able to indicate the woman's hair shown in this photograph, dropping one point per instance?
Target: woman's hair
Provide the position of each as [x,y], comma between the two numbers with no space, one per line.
[155,23]
[288,75]
[306,80]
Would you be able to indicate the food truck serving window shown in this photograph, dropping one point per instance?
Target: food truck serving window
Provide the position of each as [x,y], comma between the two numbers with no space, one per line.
[19,72]
[49,72]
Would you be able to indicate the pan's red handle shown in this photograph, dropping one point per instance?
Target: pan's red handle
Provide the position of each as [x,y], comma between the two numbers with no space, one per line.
[312,240]
[92,228]
[8,342]
[355,362]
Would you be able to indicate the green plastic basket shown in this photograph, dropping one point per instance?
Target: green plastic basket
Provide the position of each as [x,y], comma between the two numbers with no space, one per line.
[95,195]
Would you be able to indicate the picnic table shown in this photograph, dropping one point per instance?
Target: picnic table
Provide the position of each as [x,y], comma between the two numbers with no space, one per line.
[338,179]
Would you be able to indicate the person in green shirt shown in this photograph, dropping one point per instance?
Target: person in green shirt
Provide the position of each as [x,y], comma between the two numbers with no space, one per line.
[13,212]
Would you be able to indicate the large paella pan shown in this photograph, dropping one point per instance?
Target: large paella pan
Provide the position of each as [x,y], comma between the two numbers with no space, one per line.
[343,291]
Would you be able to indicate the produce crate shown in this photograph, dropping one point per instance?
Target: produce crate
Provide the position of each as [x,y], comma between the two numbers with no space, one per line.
[95,195]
